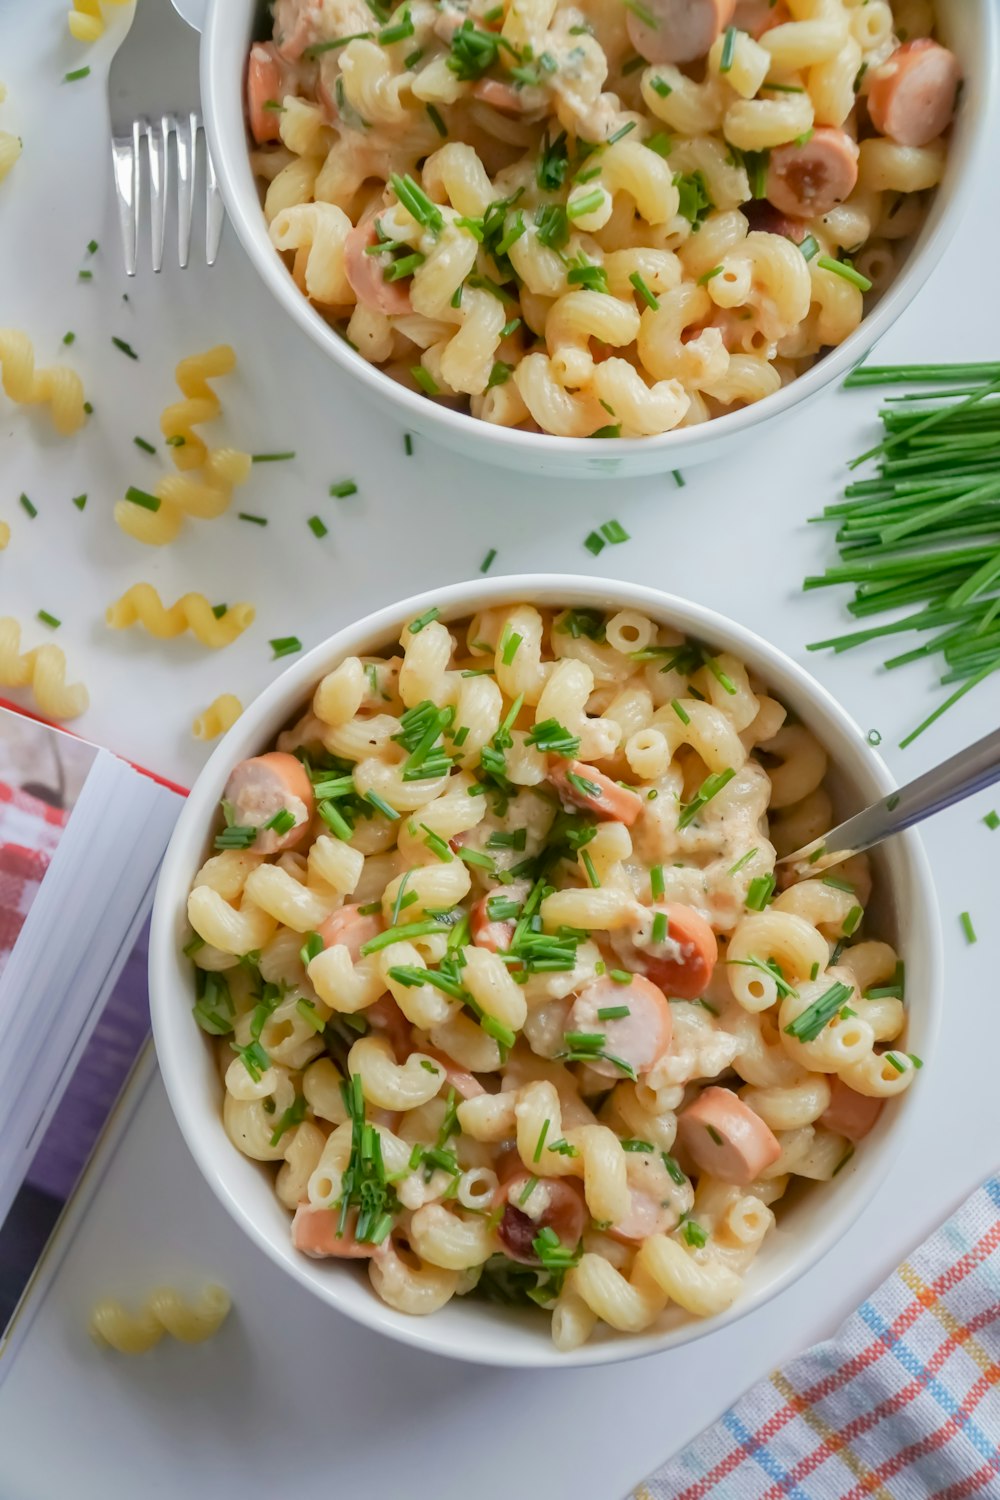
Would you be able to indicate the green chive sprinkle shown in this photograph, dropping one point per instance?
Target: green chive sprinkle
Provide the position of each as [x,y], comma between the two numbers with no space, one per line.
[27,505]
[408,444]
[679,479]
[69,338]
[76,73]
[487,562]
[285,645]
[967,927]
[84,275]
[80,501]
[728,50]
[992,820]
[141,443]
[841,268]
[317,527]
[143,498]
[244,515]
[436,120]
[647,296]
[48,619]
[270,458]
[92,247]
[343,489]
[425,380]
[124,347]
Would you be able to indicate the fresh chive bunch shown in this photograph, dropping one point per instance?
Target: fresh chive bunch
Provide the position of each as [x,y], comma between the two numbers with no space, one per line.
[924,534]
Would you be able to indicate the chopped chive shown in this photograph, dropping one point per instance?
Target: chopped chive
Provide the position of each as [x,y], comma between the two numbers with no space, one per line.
[841,268]
[88,408]
[807,1026]
[343,489]
[588,865]
[434,116]
[141,443]
[680,711]
[27,505]
[381,805]
[284,645]
[484,566]
[219,610]
[270,458]
[84,275]
[244,515]
[124,347]
[92,247]
[613,1012]
[69,338]
[80,501]
[317,527]
[659,932]
[656,885]
[425,380]
[75,74]
[967,927]
[417,625]
[48,619]
[728,50]
[408,444]
[644,292]
[873,737]
[679,479]
[809,246]
[992,820]
[510,645]
[741,862]
[759,892]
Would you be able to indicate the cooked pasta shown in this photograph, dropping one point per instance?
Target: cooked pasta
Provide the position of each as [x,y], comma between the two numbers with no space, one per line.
[220,715]
[164,1311]
[10,144]
[58,386]
[141,605]
[4,535]
[487,200]
[509,1023]
[43,670]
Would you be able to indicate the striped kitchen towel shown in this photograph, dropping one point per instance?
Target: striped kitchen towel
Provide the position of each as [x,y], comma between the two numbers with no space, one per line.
[903,1404]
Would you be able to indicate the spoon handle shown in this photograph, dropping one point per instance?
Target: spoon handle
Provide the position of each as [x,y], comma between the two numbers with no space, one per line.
[971,770]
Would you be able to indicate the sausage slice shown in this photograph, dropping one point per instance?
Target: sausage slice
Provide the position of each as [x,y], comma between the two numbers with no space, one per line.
[809,180]
[725,1139]
[639,1038]
[262,787]
[314,1232]
[912,96]
[565,1212]
[593,791]
[487,932]
[849,1113]
[352,927]
[683,30]
[651,1208]
[265,84]
[682,964]
[364,272]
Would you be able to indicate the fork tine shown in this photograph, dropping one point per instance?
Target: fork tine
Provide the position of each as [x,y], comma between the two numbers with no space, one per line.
[125,157]
[214,211]
[186,141]
[158,142]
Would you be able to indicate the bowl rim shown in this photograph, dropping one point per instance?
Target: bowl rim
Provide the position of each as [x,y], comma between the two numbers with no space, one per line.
[248,221]
[175,1038]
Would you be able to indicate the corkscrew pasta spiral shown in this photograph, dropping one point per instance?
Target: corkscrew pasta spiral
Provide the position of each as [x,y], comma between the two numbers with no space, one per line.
[86,21]
[220,715]
[43,669]
[204,495]
[164,1311]
[141,605]
[58,386]
[4,535]
[200,403]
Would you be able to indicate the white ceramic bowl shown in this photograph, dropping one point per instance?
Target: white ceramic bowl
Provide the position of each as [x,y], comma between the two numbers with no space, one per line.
[970,27]
[905,912]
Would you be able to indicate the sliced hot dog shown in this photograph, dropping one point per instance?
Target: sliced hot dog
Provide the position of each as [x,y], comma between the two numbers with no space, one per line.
[684,30]
[592,790]
[651,1209]
[499,96]
[352,927]
[763,216]
[260,788]
[465,1084]
[911,97]
[364,272]
[565,1212]
[296,25]
[758,16]
[314,1232]
[849,1113]
[682,964]
[725,1139]
[639,1038]
[265,85]
[488,933]
[809,180]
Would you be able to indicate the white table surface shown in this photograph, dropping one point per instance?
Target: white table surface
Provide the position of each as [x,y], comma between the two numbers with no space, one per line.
[289,1390]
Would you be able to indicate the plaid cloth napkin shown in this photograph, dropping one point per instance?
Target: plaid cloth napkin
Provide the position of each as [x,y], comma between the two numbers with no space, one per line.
[29,832]
[903,1404]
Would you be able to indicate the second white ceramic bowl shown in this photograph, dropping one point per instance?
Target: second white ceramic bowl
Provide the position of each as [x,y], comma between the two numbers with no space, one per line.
[904,912]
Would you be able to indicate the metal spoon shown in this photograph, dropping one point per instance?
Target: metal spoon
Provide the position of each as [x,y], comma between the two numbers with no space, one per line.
[971,770]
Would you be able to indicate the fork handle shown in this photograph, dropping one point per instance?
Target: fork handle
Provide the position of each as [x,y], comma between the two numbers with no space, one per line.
[971,770]
[192,11]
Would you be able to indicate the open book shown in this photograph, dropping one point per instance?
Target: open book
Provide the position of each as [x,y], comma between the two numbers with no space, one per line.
[82,834]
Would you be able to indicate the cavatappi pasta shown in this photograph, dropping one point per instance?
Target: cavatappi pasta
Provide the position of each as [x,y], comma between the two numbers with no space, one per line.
[596,219]
[504,981]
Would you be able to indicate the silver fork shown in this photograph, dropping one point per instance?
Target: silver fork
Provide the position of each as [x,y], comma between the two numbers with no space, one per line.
[153,99]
